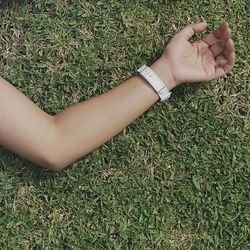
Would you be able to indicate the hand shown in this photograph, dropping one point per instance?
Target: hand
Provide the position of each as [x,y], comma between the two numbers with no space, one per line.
[211,57]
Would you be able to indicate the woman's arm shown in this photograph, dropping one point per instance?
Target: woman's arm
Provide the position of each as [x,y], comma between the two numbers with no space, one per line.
[56,141]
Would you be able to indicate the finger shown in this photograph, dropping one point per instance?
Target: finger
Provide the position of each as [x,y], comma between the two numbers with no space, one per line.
[225,54]
[221,60]
[218,47]
[219,72]
[217,33]
[215,36]
[228,55]
[226,33]
[223,47]
[226,67]
[229,48]
[191,29]
[230,63]
[231,59]
[230,45]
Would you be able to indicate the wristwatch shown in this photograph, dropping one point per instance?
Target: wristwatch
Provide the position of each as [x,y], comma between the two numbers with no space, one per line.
[155,81]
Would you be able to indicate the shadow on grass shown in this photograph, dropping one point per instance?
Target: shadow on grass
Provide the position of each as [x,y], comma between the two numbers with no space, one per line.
[22,170]
[4,4]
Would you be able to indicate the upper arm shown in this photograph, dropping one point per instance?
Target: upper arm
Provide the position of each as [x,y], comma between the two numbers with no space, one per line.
[24,128]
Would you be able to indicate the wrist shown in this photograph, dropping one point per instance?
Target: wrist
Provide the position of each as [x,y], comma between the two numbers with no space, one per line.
[162,68]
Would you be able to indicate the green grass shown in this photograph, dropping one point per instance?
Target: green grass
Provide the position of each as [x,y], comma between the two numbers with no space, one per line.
[177,178]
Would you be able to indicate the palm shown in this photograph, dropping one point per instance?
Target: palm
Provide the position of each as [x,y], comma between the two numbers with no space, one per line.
[211,57]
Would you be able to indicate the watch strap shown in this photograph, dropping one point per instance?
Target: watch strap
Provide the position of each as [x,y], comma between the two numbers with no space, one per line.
[155,81]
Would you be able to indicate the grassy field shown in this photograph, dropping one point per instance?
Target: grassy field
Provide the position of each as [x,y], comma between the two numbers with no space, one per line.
[177,178]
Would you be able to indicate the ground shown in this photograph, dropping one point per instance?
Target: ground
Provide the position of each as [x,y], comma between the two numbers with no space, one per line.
[177,178]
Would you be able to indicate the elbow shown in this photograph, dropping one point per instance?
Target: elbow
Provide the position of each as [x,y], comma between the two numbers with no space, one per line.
[55,154]
[51,161]
[53,164]
[53,158]
[52,154]
[58,158]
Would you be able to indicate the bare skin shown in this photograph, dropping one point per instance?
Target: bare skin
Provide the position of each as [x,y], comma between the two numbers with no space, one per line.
[57,141]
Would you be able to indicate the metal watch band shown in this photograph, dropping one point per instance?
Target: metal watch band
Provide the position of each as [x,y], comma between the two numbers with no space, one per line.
[155,81]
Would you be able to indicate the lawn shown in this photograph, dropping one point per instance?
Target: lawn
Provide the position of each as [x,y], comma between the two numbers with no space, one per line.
[177,178]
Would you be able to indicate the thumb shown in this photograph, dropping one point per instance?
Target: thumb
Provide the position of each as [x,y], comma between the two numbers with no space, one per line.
[191,29]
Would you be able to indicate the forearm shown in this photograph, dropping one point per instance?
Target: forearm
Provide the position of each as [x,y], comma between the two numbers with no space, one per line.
[87,125]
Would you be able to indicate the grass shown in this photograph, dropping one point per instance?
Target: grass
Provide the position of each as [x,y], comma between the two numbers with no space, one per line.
[177,178]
